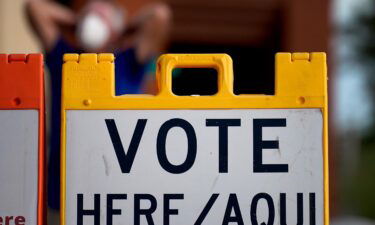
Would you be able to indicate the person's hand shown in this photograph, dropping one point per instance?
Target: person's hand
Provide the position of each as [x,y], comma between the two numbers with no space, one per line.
[99,26]
[46,17]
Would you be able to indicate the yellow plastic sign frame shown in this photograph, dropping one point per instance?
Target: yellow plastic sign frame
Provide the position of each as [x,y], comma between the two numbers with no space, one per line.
[300,82]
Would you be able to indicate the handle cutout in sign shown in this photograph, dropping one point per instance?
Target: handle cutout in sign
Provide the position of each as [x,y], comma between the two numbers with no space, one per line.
[221,63]
[194,81]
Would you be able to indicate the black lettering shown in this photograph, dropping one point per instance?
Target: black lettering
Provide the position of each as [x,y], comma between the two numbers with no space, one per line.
[283,209]
[312,209]
[167,209]
[192,146]
[86,212]
[206,209]
[260,144]
[110,210]
[299,208]
[223,125]
[125,159]
[147,212]
[233,205]
[254,206]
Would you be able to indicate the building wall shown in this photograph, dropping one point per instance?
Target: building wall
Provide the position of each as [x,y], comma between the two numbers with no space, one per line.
[15,35]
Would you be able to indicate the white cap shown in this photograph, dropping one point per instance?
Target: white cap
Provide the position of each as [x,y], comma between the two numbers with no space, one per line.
[98,25]
[93,32]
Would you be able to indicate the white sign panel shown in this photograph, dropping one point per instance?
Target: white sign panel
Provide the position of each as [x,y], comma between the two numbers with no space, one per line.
[194,167]
[18,167]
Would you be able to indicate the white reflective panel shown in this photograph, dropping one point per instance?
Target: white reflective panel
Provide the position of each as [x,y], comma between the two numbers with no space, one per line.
[19,166]
[92,166]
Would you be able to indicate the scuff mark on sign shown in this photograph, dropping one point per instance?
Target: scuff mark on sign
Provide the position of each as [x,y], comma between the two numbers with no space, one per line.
[214,183]
[106,167]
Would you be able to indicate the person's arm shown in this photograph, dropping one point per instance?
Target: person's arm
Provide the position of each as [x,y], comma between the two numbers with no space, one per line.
[151,26]
[45,18]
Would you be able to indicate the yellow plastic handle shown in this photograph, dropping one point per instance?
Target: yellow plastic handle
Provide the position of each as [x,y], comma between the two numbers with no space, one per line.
[222,63]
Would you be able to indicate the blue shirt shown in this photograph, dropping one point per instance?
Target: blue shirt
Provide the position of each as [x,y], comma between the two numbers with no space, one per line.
[129,76]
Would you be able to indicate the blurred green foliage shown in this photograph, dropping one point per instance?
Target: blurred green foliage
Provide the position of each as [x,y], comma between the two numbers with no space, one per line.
[359,190]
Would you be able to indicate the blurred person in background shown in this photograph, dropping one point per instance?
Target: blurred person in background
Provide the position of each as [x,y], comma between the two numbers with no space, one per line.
[85,26]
